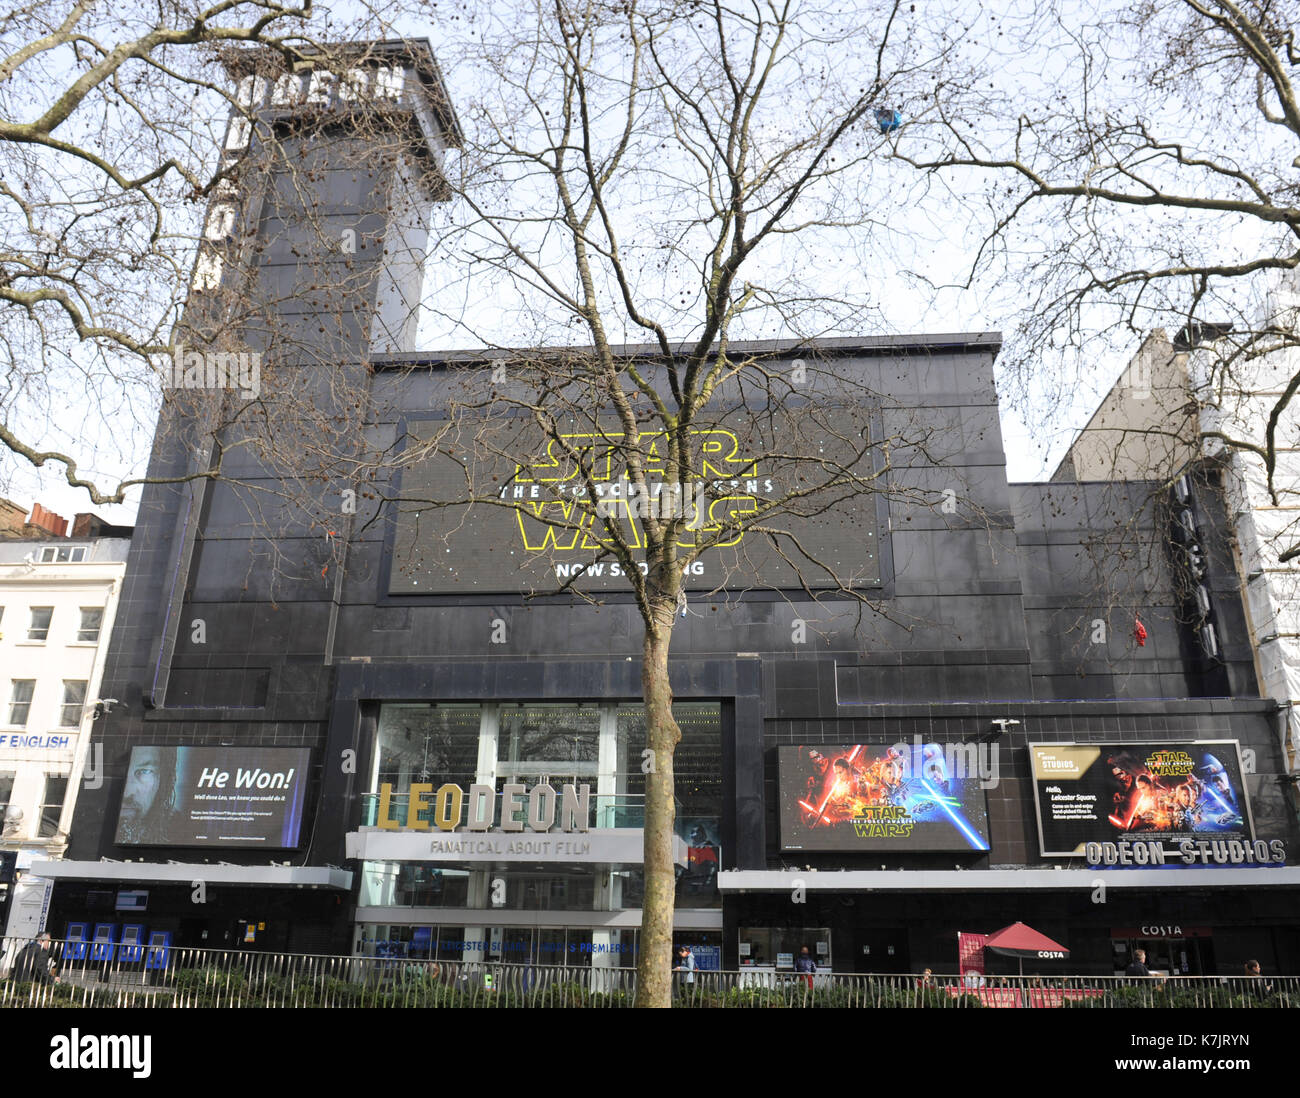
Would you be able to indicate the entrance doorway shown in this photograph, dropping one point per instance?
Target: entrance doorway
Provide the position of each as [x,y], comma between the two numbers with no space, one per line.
[1182,953]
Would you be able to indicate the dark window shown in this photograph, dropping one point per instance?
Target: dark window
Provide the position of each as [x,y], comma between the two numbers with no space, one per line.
[20,700]
[39,629]
[63,554]
[56,790]
[92,617]
[74,701]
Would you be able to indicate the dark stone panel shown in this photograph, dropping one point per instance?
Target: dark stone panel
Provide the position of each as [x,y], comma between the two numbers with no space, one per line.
[217,687]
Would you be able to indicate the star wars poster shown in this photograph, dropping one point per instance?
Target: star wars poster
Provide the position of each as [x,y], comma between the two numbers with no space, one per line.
[697,884]
[908,797]
[1107,792]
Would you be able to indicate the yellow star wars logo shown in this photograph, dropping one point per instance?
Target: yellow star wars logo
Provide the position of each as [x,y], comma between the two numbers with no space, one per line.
[883,822]
[571,497]
[1170,764]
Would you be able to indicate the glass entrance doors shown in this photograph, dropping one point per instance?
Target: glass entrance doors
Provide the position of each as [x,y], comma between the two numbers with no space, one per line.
[553,744]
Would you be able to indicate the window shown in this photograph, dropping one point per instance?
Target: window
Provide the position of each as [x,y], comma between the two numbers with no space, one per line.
[10,829]
[426,743]
[92,617]
[39,629]
[20,700]
[63,554]
[74,701]
[56,790]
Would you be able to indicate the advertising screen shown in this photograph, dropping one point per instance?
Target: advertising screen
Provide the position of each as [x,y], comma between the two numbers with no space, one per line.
[213,796]
[874,799]
[1170,791]
[540,531]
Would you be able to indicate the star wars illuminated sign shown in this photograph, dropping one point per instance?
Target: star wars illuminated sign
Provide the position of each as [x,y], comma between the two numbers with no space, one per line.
[901,798]
[542,525]
[1095,795]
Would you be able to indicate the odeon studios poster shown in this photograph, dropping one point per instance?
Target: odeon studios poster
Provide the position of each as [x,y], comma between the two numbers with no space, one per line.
[1169,791]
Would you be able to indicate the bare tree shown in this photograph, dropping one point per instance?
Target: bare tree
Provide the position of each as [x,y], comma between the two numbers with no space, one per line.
[1137,170]
[113,148]
[644,174]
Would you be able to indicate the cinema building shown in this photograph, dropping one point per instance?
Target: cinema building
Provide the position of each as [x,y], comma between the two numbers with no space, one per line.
[361,735]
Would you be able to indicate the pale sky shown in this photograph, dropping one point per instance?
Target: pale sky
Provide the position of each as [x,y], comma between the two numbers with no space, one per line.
[919,250]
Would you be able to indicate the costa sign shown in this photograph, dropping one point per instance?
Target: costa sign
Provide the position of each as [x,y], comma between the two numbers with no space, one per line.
[449,807]
[1177,930]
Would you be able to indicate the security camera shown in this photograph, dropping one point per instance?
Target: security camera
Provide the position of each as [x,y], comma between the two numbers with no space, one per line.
[104,705]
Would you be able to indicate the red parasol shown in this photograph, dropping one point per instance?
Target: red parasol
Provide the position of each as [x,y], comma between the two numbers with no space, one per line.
[1018,940]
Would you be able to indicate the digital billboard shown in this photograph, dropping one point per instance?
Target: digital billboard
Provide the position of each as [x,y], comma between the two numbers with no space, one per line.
[905,798]
[542,524]
[213,796]
[1169,791]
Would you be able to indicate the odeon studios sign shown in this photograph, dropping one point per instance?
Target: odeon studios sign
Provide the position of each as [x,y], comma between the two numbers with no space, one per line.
[543,808]
[1152,852]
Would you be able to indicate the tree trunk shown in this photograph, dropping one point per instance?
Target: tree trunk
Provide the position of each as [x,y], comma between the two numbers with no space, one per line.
[654,964]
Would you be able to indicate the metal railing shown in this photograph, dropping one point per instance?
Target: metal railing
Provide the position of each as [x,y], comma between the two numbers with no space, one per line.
[223,978]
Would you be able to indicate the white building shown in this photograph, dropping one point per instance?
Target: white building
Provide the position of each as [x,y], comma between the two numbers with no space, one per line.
[1237,399]
[1173,407]
[58,598]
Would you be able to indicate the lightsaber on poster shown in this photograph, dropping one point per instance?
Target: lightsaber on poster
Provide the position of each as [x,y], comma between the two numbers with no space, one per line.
[213,796]
[856,797]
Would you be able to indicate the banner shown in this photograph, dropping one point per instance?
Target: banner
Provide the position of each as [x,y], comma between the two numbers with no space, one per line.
[539,523]
[213,796]
[1166,791]
[697,885]
[970,952]
[901,798]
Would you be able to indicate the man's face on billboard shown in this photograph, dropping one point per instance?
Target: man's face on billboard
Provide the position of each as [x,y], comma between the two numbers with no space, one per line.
[142,782]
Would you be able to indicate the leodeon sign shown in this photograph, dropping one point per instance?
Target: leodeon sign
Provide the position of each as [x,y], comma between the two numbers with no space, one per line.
[482,840]
[543,808]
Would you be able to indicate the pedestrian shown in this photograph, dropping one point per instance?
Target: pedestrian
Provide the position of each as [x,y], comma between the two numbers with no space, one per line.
[1138,966]
[1255,984]
[685,969]
[806,966]
[33,963]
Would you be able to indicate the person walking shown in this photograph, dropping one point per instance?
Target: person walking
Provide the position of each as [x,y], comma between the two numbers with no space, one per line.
[32,965]
[1138,966]
[685,969]
[1255,983]
[805,966]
